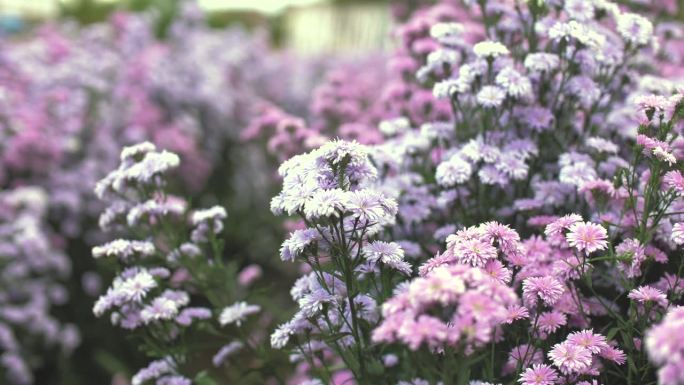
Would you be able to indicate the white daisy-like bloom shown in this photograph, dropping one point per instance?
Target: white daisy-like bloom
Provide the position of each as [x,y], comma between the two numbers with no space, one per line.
[677,235]
[490,49]
[447,33]
[580,10]
[515,84]
[634,28]
[207,215]
[325,203]
[491,96]
[541,62]
[160,309]
[123,248]
[395,126]
[130,152]
[298,241]
[237,313]
[154,163]
[137,287]
[389,253]
[453,171]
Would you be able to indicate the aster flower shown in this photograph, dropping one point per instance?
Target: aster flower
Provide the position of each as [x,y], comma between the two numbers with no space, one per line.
[160,309]
[541,62]
[589,340]
[677,235]
[227,350]
[515,84]
[587,236]
[648,294]
[325,203]
[124,249]
[674,180]
[634,28]
[453,171]
[491,96]
[664,348]
[549,289]
[551,321]
[474,252]
[570,358]
[299,240]
[538,374]
[237,313]
[389,253]
[490,49]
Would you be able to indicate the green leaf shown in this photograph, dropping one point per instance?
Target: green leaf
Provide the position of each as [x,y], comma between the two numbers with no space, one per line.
[203,378]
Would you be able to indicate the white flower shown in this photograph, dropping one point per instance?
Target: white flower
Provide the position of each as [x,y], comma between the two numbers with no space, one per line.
[541,62]
[137,287]
[488,48]
[515,84]
[325,203]
[124,249]
[447,33]
[161,308]
[634,28]
[237,313]
[491,96]
[453,171]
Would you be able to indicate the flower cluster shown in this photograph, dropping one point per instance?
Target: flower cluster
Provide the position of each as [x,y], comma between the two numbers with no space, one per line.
[32,277]
[172,284]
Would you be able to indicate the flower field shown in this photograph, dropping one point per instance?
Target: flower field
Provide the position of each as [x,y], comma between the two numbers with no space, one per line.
[497,200]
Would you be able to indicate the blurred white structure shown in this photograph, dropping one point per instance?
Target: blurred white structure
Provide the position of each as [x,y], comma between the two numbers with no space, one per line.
[30,8]
[348,29]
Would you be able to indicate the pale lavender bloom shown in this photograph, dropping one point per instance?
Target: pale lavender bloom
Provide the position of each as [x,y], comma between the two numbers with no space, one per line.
[541,62]
[515,84]
[298,241]
[154,370]
[453,171]
[635,29]
[188,315]
[124,249]
[161,309]
[237,313]
[226,351]
[491,97]
[390,254]
[665,346]
[174,380]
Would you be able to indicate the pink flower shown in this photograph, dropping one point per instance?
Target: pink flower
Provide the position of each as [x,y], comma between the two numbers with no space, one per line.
[677,235]
[674,180]
[644,294]
[587,236]
[570,358]
[547,288]
[539,374]
[551,321]
[558,227]
[587,339]
[249,274]
[474,252]
[613,354]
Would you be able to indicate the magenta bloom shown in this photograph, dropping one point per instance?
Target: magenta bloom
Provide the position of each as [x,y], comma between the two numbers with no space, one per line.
[547,288]
[570,358]
[587,236]
[539,374]
[587,339]
[644,294]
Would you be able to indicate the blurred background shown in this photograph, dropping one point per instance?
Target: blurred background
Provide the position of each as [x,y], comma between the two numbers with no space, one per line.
[233,86]
[306,26]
